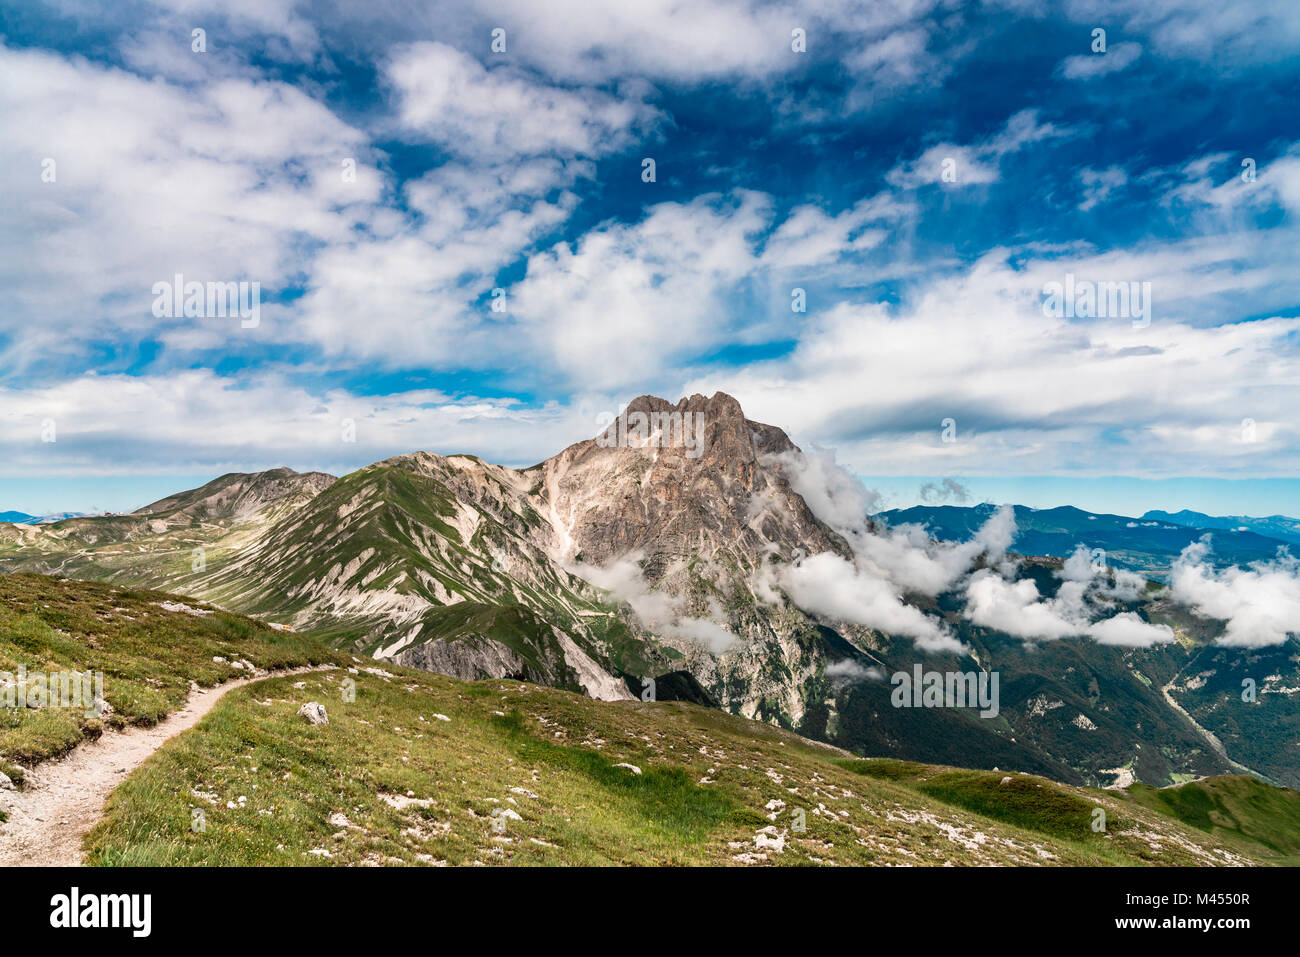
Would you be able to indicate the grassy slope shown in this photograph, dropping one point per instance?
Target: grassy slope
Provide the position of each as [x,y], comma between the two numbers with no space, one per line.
[1232,807]
[148,656]
[387,781]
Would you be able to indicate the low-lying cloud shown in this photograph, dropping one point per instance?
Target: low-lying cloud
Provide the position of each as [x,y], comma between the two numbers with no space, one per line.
[1260,603]
[656,610]
[890,563]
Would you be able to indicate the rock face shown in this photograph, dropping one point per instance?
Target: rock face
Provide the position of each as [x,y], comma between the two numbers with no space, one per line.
[647,489]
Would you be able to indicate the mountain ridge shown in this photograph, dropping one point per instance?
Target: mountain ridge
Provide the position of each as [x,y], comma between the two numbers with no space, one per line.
[668,544]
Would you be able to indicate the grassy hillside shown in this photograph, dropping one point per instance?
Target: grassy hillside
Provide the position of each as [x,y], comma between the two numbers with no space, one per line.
[420,768]
[1232,807]
[149,645]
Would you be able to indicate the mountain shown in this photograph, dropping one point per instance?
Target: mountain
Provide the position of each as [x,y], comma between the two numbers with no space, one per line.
[1148,545]
[18,518]
[236,497]
[685,539]
[1280,527]
[156,542]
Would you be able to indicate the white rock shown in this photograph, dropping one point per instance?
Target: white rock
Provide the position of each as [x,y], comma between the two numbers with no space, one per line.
[770,838]
[631,767]
[314,712]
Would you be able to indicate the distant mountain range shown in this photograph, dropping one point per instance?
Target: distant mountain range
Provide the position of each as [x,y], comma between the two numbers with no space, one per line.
[22,518]
[1281,527]
[1148,545]
[721,569]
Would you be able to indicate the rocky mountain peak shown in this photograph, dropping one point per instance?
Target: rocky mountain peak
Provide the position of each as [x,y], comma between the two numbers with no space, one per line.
[710,431]
[676,480]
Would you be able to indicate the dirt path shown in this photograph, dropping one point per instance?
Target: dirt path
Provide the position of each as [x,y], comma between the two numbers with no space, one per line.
[63,799]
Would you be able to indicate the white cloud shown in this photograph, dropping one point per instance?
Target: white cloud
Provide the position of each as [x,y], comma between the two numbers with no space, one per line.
[835,496]
[664,280]
[887,564]
[498,114]
[947,489]
[1098,185]
[834,587]
[1085,66]
[1016,608]
[1260,603]
[656,610]
[848,671]
[593,42]
[877,381]
[977,164]
[1127,630]
[195,420]
[227,182]
[810,237]
[1204,30]
[404,295]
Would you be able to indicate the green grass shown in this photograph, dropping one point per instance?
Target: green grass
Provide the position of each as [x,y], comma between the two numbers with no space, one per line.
[1231,806]
[666,797]
[148,656]
[388,782]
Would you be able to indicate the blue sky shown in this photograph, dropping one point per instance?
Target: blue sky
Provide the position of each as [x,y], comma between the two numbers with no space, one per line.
[925,172]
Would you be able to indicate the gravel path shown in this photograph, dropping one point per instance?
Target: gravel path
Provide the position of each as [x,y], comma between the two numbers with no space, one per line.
[63,799]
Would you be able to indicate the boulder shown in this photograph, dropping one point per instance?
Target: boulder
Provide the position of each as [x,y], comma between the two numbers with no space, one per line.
[314,712]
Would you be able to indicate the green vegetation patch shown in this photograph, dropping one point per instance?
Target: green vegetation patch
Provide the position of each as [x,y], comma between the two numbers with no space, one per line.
[1237,805]
[147,654]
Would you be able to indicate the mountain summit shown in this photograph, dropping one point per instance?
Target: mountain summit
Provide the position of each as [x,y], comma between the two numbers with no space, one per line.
[696,479]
